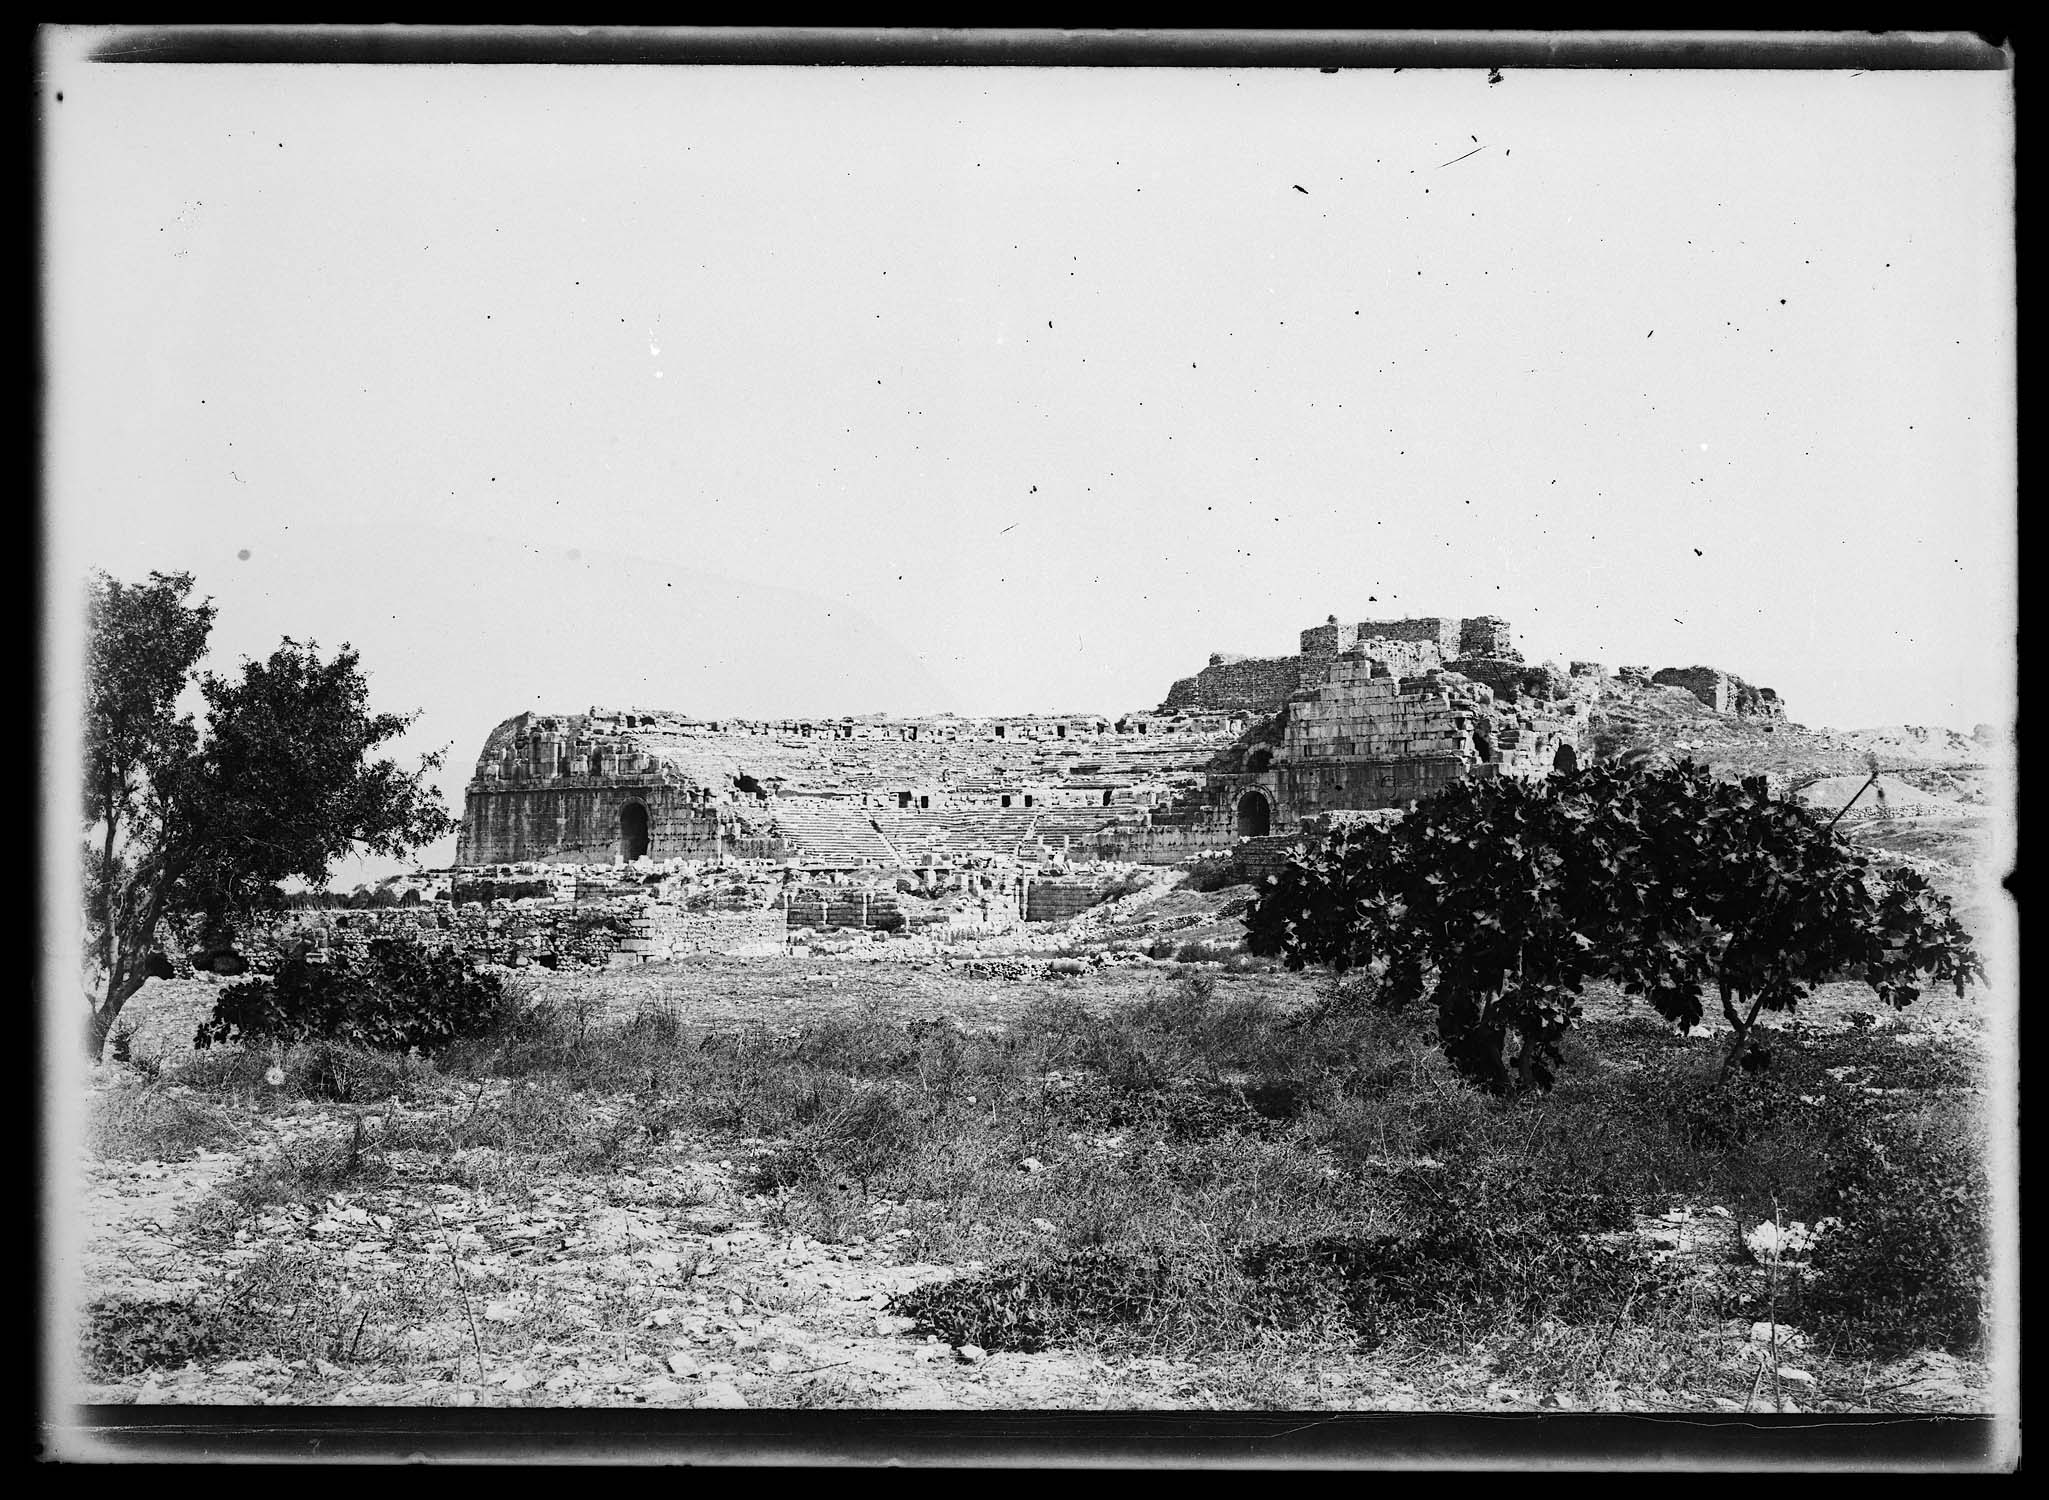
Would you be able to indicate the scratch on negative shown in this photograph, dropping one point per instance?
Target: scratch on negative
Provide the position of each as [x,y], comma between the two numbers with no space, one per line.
[1457,159]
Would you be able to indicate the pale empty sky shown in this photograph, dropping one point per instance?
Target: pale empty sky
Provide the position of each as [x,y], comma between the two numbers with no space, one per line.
[821,390]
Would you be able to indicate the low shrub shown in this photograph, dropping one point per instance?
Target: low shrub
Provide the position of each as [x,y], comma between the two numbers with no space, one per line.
[864,1046]
[1214,873]
[1907,1266]
[347,1074]
[656,1022]
[1467,1262]
[849,1134]
[397,997]
[500,890]
[1043,1300]
[306,1173]
[154,1124]
[1130,883]
[121,1338]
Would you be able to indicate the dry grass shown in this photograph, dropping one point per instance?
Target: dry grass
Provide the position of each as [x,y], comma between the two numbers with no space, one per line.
[1234,1174]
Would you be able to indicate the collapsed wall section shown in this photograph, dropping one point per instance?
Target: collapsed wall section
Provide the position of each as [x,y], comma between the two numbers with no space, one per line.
[1724,692]
[1252,684]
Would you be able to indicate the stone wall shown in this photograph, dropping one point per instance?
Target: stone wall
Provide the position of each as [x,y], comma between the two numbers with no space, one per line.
[1487,635]
[1359,716]
[556,934]
[1058,900]
[1256,859]
[1254,684]
[580,823]
[1394,782]
[1404,648]
[1445,632]
[1328,639]
[824,907]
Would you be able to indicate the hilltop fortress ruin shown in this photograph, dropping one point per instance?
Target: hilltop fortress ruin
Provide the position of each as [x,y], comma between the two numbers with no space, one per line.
[1366,716]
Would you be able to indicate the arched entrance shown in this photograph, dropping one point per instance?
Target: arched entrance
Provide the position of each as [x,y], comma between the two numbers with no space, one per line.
[1255,814]
[632,831]
[1566,760]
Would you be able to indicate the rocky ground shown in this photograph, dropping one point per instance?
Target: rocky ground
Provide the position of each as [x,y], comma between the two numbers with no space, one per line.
[669,1288]
[472,1279]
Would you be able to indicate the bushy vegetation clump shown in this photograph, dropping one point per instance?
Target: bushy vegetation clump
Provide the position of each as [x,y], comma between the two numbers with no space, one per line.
[500,890]
[398,998]
[1503,900]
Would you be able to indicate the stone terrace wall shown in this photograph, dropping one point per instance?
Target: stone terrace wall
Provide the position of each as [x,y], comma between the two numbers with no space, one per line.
[1258,858]
[824,906]
[1358,716]
[1057,900]
[1255,684]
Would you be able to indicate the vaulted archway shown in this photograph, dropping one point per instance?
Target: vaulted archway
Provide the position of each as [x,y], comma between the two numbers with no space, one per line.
[632,831]
[1255,814]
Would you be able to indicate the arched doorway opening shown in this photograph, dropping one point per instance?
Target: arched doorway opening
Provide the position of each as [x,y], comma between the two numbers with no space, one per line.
[1566,760]
[1255,815]
[632,831]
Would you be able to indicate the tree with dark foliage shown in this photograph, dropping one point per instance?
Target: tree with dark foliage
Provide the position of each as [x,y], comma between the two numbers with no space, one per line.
[1503,898]
[192,824]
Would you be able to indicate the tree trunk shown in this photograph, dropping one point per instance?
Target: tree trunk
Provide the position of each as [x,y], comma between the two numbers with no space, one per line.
[120,989]
[1471,1037]
[130,972]
[1526,1059]
[1742,1026]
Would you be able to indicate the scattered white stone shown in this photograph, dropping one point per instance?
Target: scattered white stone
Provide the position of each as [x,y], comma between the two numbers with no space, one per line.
[720,1395]
[1032,1164]
[1788,1337]
[682,1364]
[972,1354]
